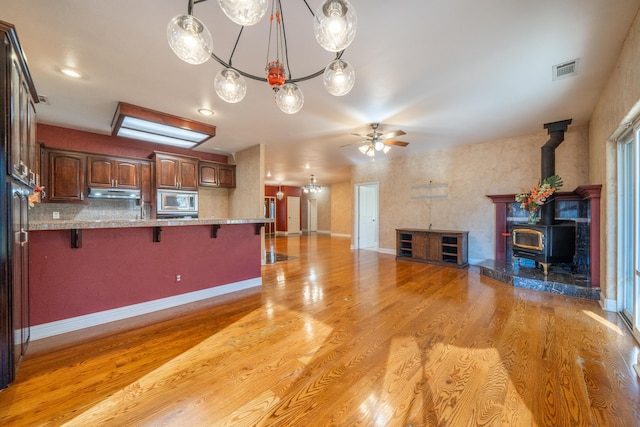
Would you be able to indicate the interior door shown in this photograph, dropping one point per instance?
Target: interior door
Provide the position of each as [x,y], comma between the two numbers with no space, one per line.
[293,215]
[312,215]
[367,216]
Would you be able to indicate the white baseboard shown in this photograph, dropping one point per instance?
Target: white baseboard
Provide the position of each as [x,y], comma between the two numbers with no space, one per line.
[608,304]
[340,235]
[387,251]
[50,329]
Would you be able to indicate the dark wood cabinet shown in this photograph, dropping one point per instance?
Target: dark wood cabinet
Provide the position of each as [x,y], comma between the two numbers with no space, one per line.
[65,176]
[22,161]
[176,172]
[432,246]
[146,182]
[113,172]
[212,174]
[18,176]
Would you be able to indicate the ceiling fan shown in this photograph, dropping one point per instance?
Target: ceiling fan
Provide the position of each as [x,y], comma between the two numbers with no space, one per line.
[376,141]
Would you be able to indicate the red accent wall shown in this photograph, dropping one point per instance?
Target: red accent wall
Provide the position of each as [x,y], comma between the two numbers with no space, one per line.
[76,140]
[123,266]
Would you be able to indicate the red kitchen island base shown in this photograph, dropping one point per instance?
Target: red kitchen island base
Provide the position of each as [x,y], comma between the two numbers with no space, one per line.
[122,272]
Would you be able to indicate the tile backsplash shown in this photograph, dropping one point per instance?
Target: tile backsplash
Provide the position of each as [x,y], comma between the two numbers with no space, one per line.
[95,209]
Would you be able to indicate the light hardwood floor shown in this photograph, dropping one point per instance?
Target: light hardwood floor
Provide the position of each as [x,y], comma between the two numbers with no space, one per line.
[343,338]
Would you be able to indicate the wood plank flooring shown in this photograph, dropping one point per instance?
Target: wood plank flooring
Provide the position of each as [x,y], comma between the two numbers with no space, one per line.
[343,338]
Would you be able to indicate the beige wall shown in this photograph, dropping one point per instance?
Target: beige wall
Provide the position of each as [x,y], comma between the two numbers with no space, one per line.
[341,209]
[613,109]
[213,202]
[447,189]
[323,199]
[246,200]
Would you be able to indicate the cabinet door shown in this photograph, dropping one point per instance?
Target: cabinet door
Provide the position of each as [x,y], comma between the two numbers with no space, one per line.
[65,177]
[167,172]
[188,174]
[34,152]
[100,172]
[435,247]
[14,166]
[227,176]
[208,176]
[127,174]
[419,246]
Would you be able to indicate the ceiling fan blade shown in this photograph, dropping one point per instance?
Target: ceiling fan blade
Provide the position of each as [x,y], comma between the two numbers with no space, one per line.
[394,142]
[392,134]
[366,141]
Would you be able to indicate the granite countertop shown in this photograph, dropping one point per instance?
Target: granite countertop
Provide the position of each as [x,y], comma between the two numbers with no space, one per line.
[131,223]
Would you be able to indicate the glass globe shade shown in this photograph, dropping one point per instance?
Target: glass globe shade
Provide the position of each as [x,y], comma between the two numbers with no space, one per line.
[230,85]
[244,12]
[334,25]
[378,145]
[386,149]
[189,39]
[289,98]
[339,77]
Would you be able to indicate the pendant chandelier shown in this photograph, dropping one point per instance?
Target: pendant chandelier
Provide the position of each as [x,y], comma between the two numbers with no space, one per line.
[313,187]
[334,27]
[279,193]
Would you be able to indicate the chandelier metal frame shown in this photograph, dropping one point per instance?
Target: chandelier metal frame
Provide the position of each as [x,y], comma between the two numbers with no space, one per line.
[253,76]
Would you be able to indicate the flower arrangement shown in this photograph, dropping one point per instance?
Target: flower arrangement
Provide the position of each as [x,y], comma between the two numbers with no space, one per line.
[534,199]
[36,196]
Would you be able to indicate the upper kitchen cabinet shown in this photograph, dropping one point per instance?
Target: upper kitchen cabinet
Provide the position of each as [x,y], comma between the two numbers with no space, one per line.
[176,172]
[64,173]
[113,172]
[20,112]
[212,174]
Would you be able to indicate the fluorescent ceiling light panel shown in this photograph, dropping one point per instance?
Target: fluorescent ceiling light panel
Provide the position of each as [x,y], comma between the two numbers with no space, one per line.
[160,128]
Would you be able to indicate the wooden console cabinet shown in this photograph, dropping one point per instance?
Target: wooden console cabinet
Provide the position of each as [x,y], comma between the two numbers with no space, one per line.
[445,247]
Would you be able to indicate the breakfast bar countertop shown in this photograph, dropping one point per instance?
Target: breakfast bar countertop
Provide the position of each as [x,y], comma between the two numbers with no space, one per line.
[132,223]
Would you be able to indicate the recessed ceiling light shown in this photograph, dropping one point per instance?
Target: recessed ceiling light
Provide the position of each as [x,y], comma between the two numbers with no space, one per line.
[206,112]
[70,72]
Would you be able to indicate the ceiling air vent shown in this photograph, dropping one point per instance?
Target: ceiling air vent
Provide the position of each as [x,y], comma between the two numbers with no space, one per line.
[565,70]
[43,99]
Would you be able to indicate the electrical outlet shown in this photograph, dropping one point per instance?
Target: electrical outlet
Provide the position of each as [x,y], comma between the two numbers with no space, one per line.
[56,215]
[178,277]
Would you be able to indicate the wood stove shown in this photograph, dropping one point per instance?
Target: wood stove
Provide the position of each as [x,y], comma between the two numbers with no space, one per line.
[545,244]
[550,242]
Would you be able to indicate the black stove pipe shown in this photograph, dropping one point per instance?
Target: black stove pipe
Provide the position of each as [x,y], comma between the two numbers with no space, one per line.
[548,164]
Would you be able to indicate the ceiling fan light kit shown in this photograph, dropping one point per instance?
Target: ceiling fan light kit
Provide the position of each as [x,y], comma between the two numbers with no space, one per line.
[380,142]
[334,28]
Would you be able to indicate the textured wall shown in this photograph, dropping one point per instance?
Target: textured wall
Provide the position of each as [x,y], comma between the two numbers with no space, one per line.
[614,107]
[341,209]
[246,200]
[446,189]
[323,199]
[213,202]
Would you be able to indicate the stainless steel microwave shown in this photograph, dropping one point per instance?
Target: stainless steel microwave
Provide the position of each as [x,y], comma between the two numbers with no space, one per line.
[177,204]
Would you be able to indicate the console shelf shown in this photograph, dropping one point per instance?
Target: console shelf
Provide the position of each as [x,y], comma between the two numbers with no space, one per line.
[444,247]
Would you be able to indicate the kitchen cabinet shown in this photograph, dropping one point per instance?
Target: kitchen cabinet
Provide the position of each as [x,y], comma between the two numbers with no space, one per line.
[23,160]
[113,172]
[146,182]
[18,175]
[64,173]
[432,246]
[176,172]
[212,174]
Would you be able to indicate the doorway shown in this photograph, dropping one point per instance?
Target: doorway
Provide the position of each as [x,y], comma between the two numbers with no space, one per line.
[628,229]
[312,215]
[269,211]
[366,216]
[293,215]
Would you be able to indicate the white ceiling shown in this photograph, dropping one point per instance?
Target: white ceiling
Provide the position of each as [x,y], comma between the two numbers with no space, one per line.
[446,72]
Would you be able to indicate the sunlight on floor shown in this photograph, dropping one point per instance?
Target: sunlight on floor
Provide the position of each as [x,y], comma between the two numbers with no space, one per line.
[604,322]
[179,382]
[445,385]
